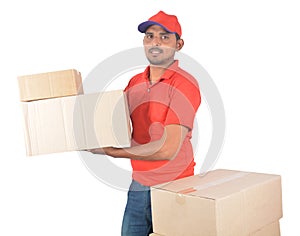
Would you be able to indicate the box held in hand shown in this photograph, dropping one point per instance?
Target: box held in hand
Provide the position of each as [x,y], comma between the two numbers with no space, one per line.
[76,123]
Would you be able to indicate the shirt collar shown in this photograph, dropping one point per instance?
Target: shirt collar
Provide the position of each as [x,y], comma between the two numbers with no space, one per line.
[171,70]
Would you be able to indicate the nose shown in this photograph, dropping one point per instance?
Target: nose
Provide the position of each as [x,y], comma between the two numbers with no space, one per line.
[156,41]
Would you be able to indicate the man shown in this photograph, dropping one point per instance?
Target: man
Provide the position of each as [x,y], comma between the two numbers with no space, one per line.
[163,101]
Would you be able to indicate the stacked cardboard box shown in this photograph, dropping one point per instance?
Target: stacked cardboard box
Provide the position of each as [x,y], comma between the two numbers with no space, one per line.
[220,203]
[50,85]
[272,229]
[59,118]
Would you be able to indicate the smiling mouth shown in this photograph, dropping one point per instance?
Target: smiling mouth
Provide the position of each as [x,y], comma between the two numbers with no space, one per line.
[155,51]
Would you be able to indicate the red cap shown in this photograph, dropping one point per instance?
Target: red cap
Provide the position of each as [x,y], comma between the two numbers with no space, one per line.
[168,22]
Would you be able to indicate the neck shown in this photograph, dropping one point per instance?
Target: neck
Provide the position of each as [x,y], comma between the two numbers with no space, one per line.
[157,71]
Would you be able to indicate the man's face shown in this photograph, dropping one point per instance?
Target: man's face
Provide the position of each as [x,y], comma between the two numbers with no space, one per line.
[160,46]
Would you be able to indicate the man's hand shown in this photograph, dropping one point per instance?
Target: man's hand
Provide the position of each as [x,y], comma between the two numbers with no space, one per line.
[97,151]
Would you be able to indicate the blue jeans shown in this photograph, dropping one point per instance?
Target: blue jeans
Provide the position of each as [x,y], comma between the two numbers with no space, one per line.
[137,220]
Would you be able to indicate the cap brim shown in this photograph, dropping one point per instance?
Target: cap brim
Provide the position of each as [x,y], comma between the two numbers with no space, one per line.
[145,25]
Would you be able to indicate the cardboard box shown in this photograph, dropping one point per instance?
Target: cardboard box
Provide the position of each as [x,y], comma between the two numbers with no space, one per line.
[272,229]
[50,85]
[76,123]
[220,203]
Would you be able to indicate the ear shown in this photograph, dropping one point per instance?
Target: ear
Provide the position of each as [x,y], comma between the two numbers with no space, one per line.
[179,44]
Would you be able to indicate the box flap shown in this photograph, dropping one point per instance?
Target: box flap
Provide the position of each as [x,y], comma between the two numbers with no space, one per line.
[216,184]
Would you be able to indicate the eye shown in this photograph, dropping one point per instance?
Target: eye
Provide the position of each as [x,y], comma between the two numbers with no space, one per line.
[149,36]
[165,38]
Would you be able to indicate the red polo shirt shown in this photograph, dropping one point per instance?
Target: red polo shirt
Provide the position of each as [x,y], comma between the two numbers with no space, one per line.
[174,99]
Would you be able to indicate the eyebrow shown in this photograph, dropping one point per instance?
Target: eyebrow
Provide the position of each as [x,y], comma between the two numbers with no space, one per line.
[161,33]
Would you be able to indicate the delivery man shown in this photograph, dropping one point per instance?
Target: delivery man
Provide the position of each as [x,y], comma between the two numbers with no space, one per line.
[163,101]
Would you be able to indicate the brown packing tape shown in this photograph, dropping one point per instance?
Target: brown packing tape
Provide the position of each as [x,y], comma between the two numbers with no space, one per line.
[187,190]
[232,177]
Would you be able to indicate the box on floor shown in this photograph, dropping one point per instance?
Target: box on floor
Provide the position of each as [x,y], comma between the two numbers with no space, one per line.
[50,85]
[76,123]
[272,229]
[220,203]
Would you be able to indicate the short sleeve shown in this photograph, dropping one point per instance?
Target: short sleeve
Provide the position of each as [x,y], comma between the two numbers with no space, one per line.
[184,102]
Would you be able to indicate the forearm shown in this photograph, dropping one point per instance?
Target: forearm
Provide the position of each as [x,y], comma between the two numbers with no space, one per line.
[166,148]
[152,151]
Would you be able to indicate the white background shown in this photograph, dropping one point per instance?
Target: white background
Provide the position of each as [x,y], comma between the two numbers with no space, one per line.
[250,49]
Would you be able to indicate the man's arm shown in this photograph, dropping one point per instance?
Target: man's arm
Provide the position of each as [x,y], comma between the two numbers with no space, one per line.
[165,148]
